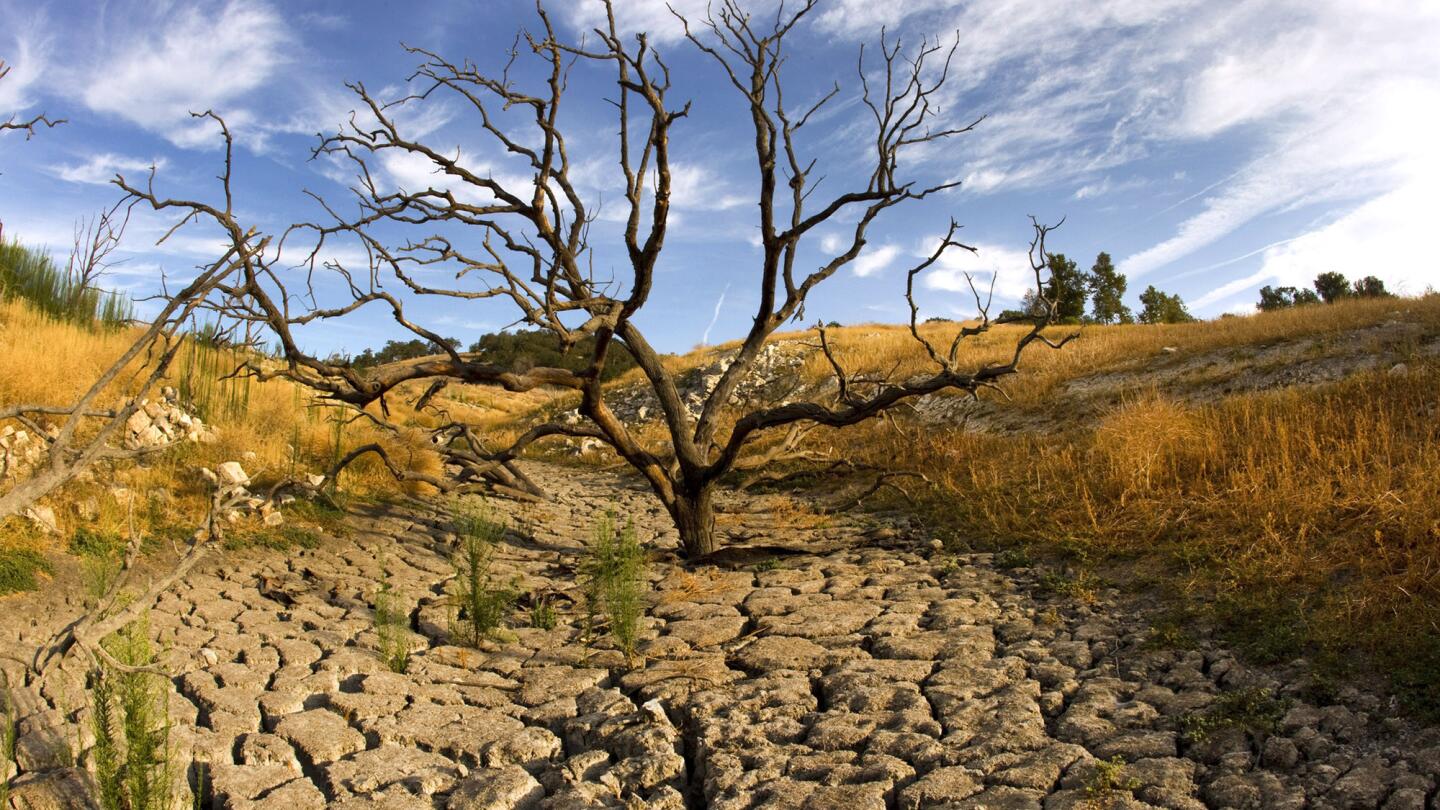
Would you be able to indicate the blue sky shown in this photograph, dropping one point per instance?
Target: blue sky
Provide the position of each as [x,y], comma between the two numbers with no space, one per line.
[1210,147]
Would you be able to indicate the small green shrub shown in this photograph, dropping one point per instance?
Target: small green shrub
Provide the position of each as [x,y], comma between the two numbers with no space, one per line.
[20,569]
[283,538]
[1168,635]
[392,625]
[542,614]
[1256,711]
[88,542]
[7,747]
[1017,557]
[134,765]
[1108,785]
[613,574]
[478,604]
[1083,586]
[767,564]
[100,557]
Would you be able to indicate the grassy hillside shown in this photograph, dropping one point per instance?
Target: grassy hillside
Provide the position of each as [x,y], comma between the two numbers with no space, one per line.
[1276,472]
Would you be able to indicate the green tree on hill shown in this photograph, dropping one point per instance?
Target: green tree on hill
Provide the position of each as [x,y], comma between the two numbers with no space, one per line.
[1107,291]
[1159,307]
[1371,287]
[1273,298]
[1332,286]
[394,350]
[1068,287]
[533,348]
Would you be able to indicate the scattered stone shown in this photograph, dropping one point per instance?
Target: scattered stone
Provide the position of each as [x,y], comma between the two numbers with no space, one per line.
[510,788]
[320,735]
[232,474]
[43,517]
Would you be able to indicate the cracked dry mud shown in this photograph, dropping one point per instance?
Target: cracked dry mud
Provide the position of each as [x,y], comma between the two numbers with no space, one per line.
[867,673]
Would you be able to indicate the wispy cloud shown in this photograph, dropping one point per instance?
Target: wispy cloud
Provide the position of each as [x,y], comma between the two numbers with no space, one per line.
[26,52]
[101,169]
[715,317]
[160,63]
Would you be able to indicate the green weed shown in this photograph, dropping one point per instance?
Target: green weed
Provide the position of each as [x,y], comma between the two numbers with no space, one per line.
[542,614]
[7,747]
[32,275]
[134,768]
[613,574]
[392,625]
[479,606]
[1257,711]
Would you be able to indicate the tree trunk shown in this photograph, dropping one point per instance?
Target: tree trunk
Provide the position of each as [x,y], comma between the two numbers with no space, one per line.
[694,515]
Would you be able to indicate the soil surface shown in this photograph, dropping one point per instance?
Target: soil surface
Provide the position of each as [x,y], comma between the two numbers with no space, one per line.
[870,671]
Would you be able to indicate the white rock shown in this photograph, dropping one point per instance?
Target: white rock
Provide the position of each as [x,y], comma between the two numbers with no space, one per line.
[232,474]
[209,475]
[248,455]
[274,519]
[6,432]
[1398,369]
[150,436]
[314,480]
[44,518]
[655,711]
[1169,349]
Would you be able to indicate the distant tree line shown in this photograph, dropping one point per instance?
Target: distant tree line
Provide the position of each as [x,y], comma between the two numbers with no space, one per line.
[1102,288]
[521,350]
[1329,288]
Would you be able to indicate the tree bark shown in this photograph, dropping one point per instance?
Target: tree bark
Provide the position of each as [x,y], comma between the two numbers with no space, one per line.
[693,510]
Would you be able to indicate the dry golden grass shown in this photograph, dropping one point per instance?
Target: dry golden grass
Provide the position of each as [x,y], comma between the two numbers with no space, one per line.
[1311,516]
[881,348]
[287,431]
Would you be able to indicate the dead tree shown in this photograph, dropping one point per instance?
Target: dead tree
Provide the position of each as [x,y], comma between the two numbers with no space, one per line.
[27,126]
[84,431]
[528,243]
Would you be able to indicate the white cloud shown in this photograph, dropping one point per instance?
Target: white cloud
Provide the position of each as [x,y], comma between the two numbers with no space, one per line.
[1284,85]
[697,187]
[1107,186]
[1376,239]
[1009,268]
[650,16]
[101,169]
[414,172]
[162,65]
[872,261]
[26,57]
